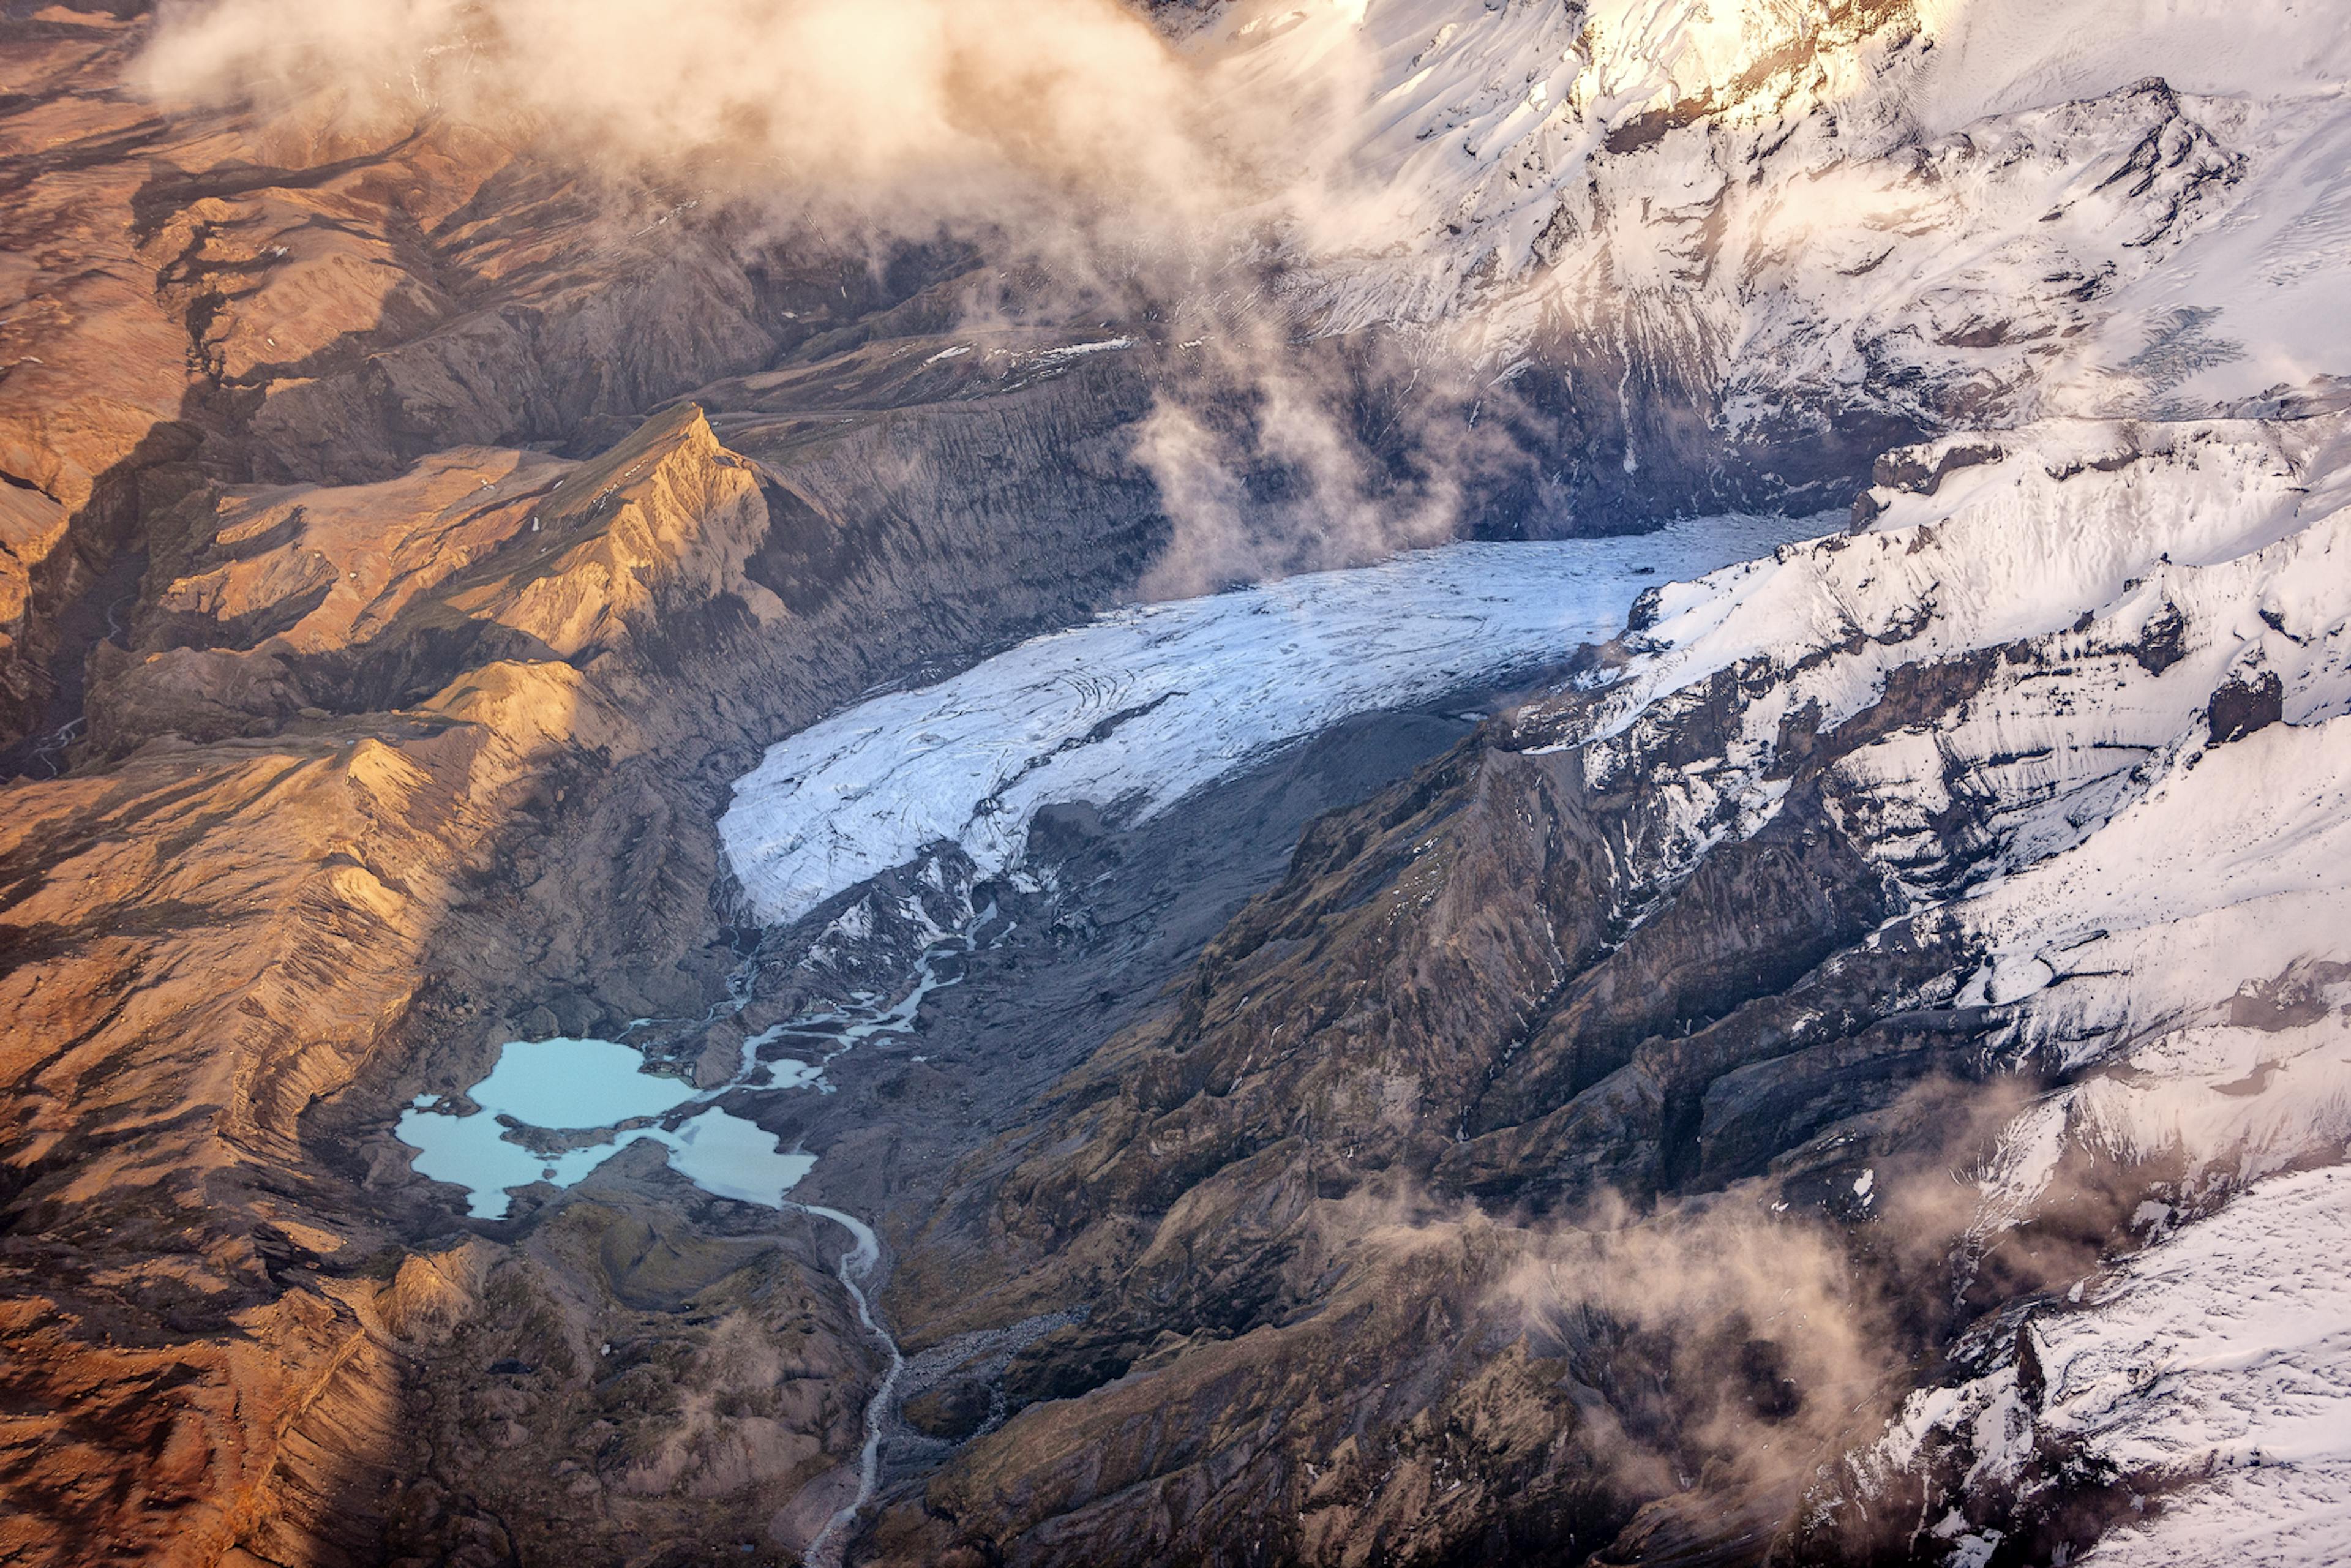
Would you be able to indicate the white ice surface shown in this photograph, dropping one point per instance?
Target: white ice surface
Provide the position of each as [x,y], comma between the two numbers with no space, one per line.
[1995,57]
[1138,708]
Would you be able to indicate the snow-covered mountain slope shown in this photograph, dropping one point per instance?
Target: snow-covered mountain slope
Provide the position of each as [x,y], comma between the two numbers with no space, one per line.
[2139,812]
[2223,1356]
[2126,572]
[2207,1380]
[1137,709]
[2120,811]
[1794,215]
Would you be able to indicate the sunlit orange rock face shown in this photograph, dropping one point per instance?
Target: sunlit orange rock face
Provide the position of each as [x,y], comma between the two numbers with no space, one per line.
[395,610]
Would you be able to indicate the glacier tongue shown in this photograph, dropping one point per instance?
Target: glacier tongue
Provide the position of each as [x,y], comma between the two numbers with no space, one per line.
[1139,708]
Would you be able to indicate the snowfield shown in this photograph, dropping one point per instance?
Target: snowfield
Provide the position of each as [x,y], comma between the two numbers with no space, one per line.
[2212,1372]
[2245,1327]
[1984,212]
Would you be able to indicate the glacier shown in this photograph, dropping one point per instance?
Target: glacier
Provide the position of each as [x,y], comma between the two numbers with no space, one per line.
[1139,708]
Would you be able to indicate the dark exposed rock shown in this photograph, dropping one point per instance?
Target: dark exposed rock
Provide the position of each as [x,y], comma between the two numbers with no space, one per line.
[1906,468]
[1459,992]
[2244,706]
[2163,639]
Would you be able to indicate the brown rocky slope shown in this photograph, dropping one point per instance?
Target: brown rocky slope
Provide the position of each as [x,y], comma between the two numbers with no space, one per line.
[398,743]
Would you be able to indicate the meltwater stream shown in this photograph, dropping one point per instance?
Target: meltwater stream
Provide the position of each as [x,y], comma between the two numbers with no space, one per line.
[825,1551]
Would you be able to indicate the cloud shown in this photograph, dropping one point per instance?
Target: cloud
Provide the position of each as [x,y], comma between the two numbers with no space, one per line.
[912,114]
[1749,1338]
[1132,171]
[1739,1344]
[1273,457]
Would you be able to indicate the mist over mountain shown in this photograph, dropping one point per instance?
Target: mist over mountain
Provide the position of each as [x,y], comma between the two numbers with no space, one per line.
[1210,782]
